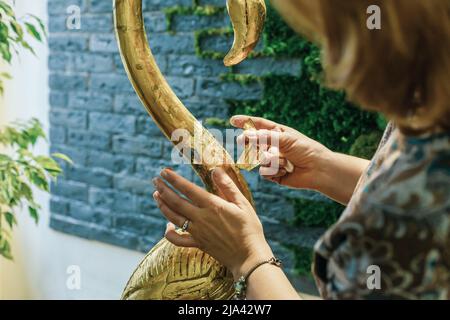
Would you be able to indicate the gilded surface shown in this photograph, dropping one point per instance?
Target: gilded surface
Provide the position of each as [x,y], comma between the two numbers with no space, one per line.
[169,272]
[251,157]
[247,17]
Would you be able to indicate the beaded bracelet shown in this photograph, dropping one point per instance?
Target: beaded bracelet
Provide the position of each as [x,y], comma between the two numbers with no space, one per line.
[240,286]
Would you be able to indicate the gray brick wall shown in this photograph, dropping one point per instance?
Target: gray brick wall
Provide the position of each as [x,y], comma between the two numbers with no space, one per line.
[97,120]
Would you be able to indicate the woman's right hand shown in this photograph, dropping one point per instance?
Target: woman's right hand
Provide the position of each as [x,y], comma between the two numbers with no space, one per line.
[308,156]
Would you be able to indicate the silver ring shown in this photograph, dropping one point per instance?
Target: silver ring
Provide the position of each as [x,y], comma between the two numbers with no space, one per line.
[185,226]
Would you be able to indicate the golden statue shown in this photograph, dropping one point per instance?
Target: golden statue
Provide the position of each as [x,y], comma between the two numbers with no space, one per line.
[167,271]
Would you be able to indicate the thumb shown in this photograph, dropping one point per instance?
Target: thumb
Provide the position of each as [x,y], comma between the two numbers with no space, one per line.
[228,188]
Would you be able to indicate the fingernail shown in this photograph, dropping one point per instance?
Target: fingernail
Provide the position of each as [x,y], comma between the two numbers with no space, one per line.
[164,173]
[216,172]
[155,197]
[233,119]
[155,182]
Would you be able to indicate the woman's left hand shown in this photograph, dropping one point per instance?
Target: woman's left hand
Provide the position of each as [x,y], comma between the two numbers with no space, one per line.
[226,228]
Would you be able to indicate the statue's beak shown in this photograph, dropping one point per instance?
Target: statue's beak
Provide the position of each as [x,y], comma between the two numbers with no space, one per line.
[247,17]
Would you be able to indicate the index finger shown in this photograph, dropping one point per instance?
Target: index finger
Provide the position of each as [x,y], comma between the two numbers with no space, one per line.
[197,195]
[260,123]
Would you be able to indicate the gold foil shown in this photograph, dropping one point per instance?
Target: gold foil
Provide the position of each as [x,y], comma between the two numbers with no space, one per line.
[251,156]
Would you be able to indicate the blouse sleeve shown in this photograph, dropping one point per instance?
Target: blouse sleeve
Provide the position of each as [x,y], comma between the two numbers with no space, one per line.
[380,254]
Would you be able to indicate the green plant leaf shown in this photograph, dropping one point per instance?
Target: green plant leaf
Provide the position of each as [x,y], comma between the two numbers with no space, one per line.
[33,31]
[41,24]
[48,164]
[6,8]
[36,176]
[17,28]
[62,157]
[28,47]
[5,248]
[4,158]
[5,52]
[10,219]
[34,214]
[35,131]
[26,192]
[5,75]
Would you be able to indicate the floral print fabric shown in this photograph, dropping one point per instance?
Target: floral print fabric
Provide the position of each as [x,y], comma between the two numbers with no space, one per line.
[397,220]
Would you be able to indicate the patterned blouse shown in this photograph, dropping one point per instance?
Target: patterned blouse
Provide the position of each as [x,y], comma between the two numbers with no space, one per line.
[393,239]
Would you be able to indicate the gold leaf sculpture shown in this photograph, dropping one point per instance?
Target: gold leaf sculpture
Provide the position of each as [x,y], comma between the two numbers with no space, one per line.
[167,271]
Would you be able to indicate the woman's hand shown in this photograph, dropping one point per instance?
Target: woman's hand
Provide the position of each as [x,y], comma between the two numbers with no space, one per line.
[308,156]
[228,229]
[315,166]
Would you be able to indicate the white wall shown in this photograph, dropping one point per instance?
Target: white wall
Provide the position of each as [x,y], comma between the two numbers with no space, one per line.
[42,255]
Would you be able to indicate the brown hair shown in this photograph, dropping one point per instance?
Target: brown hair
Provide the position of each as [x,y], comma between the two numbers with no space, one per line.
[402,70]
